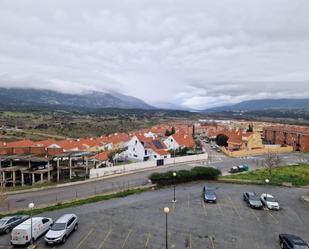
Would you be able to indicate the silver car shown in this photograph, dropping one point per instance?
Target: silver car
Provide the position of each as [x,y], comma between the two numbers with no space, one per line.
[9,222]
[61,229]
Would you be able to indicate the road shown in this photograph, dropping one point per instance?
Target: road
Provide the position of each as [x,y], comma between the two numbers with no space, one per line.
[138,221]
[51,196]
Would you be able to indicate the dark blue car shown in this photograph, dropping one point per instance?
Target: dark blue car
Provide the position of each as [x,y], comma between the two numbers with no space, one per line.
[209,195]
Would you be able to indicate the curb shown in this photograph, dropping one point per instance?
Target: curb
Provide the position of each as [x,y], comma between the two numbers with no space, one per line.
[94,179]
[305,198]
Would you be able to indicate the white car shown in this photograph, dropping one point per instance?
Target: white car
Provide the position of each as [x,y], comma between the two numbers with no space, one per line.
[21,235]
[269,202]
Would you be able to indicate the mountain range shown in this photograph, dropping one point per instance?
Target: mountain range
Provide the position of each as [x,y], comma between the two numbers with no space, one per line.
[264,104]
[93,100]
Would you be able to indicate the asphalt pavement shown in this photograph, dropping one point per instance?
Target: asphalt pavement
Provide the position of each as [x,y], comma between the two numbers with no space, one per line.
[138,221]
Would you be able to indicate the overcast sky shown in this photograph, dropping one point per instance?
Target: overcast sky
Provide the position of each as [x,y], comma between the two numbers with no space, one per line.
[197,53]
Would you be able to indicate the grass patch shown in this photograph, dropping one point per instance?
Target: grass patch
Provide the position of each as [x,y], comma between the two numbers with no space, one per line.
[79,202]
[298,175]
[182,176]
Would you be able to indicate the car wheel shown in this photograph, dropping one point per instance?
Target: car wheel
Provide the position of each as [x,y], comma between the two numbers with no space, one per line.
[64,239]
[75,227]
[7,230]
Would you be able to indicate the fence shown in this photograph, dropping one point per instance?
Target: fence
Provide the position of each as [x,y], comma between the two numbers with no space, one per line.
[72,193]
[96,173]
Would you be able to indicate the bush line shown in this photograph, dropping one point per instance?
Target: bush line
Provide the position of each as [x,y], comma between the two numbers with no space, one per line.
[182,176]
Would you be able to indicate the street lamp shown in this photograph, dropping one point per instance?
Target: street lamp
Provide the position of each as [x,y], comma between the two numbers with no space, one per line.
[174,176]
[166,211]
[31,206]
[266,181]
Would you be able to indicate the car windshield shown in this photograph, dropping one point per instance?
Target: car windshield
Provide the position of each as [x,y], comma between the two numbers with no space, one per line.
[3,222]
[209,192]
[254,198]
[58,227]
[270,199]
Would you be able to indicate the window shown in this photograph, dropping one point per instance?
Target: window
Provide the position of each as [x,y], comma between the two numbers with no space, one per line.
[45,221]
[155,156]
[71,221]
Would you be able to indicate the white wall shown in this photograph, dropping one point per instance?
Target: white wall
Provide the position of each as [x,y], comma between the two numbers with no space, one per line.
[171,143]
[95,173]
[135,149]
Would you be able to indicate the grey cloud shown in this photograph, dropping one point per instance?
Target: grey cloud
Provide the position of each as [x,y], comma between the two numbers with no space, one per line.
[195,53]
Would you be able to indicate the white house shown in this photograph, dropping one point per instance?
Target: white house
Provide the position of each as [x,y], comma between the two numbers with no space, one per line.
[136,149]
[171,143]
[144,149]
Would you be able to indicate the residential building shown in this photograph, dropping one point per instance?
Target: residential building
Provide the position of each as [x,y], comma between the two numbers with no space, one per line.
[295,136]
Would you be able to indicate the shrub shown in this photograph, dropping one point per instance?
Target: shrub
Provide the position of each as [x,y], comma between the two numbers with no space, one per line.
[196,173]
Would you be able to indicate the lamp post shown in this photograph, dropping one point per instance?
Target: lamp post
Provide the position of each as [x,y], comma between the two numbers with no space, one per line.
[166,211]
[266,181]
[31,206]
[174,176]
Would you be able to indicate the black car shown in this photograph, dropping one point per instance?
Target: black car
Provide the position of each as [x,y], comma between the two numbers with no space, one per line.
[252,199]
[289,241]
[209,195]
[9,222]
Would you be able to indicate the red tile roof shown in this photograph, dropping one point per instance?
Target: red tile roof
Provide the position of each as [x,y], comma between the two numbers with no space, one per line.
[2,144]
[102,156]
[46,143]
[118,138]
[22,143]
[184,140]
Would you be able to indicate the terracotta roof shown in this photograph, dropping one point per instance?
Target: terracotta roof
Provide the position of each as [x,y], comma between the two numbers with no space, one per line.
[184,140]
[118,138]
[68,144]
[22,143]
[235,138]
[2,144]
[102,156]
[143,139]
[46,143]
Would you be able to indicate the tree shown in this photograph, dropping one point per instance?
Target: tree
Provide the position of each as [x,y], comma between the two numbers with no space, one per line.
[272,160]
[221,140]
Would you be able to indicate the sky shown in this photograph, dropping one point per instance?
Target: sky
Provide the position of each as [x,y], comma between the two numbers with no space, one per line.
[197,53]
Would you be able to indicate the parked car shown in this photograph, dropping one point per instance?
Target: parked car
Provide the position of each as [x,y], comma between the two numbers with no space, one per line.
[9,222]
[209,195]
[253,200]
[62,229]
[21,235]
[269,202]
[239,168]
[289,241]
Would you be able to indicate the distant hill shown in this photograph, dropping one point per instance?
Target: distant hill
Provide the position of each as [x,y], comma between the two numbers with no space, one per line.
[264,104]
[94,100]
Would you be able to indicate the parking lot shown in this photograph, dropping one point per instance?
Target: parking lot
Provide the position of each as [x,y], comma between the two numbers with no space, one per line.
[138,221]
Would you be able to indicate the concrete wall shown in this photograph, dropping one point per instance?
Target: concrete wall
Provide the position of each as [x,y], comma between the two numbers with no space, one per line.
[95,173]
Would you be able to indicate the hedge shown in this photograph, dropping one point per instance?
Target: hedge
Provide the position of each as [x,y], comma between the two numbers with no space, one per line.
[196,173]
